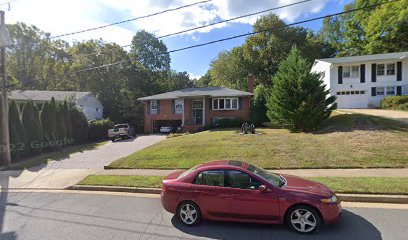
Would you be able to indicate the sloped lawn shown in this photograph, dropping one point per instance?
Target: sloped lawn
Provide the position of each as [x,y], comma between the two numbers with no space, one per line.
[346,141]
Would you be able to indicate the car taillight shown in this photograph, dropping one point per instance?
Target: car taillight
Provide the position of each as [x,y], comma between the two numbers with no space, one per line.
[164,189]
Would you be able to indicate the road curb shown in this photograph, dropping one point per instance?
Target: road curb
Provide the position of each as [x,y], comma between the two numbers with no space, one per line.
[372,198]
[115,189]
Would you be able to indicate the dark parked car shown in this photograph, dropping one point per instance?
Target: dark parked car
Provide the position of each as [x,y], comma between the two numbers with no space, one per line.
[241,192]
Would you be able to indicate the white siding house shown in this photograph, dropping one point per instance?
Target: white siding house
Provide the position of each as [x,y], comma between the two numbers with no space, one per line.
[86,101]
[362,81]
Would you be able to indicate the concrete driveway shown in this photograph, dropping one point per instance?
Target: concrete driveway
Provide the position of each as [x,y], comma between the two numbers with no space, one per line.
[401,116]
[69,171]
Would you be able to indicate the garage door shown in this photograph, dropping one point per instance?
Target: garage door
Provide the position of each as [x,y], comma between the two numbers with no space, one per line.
[352,99]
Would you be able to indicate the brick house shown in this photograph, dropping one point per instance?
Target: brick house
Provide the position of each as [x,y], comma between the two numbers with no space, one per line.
[194,108]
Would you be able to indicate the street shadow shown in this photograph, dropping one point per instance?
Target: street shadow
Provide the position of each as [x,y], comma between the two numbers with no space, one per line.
[350,227]
[354,121]
[4,184]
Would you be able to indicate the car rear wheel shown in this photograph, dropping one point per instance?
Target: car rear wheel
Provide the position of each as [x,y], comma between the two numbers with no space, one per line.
[189,213]
[304,219]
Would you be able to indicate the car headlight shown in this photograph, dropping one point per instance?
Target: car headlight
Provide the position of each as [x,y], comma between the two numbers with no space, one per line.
[333,199]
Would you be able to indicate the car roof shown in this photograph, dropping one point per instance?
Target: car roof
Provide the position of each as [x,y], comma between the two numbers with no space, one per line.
[225,163]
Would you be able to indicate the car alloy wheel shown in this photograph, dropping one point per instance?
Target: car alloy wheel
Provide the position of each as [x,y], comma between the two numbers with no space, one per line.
[189,213]
[304,220]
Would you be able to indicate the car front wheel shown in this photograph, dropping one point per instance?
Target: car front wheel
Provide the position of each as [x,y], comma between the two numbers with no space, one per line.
[189,213]
[304,219]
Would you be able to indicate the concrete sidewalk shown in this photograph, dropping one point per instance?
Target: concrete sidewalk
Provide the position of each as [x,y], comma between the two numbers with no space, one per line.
[357,172]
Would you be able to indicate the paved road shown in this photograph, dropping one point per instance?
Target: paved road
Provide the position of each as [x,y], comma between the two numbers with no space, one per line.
[125,216]
[401,116]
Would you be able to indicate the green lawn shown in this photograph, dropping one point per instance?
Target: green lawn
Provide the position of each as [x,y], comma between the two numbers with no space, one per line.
[346,141]
[55,156]
[374,185]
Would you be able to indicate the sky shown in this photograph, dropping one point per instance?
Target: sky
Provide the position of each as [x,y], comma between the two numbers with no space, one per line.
[62,16]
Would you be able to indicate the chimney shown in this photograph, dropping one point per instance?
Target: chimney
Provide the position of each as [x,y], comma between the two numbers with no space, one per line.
[251,83]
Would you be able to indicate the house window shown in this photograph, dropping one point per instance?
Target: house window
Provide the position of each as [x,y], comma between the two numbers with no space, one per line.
[178,106]
[380,69]
[362,92]
[390,90]
[351,72]
[225,104]
[355,71]
[391,69]
[153,107]
[380,91]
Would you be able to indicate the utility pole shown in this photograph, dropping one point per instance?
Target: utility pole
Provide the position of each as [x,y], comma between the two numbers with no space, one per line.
[5,143]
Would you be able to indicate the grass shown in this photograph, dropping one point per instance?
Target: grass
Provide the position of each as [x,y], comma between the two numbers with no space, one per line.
[345,141]
[123,181]
[369,185]
[55,156]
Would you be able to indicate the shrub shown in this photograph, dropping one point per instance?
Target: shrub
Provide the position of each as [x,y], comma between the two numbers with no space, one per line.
[230,122]
[18,142]
[61,125]
[395,102]
[32,125]
[298,100]
[79,126]
[49,122]
[98,129]
[67,117]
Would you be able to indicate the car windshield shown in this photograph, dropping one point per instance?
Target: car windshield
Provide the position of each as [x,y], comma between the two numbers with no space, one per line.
[270,177]
[121,126]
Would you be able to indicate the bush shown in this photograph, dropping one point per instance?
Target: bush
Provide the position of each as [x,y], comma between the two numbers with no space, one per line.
[395,103]
[98,129]
[79,126]
[230,122]
[298,100]
[258,109]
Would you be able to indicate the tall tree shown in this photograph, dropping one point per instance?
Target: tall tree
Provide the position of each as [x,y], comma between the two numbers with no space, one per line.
[18,142]
[150,51]
[79,126]
[298,99]
[32,125]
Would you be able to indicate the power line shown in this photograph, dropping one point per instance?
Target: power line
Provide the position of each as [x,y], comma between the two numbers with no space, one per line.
[204,26]
[242,35]
[130,20]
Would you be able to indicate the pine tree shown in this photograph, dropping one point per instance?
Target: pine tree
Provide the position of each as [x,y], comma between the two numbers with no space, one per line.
[48,122]
[61,125]
[67,117]
[258,106]
[18,142]
[299,100]
[32,125]
[80,126]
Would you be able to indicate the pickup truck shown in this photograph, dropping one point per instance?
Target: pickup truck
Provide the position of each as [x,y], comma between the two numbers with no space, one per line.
[123,130]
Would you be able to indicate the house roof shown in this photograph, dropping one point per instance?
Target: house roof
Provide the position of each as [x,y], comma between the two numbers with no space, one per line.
[199,92]
[36,95]
[366,58]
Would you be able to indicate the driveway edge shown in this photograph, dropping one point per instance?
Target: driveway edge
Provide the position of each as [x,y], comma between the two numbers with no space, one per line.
[372,198]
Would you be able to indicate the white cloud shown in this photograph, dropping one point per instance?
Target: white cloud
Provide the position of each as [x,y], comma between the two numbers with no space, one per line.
[192,76]
[61,16]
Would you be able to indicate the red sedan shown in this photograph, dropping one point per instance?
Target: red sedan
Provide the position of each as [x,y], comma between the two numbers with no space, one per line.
[241,192]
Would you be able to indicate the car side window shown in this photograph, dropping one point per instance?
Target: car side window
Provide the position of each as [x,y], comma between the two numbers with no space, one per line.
[238,179]
[210,178]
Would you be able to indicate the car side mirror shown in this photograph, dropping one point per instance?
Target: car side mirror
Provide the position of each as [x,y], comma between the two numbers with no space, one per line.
[263,188]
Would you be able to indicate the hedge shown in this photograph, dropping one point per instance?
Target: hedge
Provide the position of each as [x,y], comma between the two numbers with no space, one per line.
[98,129]
[395,103]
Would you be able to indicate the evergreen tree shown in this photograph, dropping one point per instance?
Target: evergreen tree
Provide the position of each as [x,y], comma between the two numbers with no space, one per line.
[258,106]
[18,143]
[48,123]
[67,118]
[61,124]
[80,126]
[32,125]
[299,100]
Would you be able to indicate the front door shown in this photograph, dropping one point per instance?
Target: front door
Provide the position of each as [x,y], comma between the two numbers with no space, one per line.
[210,193]
[197,112]
[246,201]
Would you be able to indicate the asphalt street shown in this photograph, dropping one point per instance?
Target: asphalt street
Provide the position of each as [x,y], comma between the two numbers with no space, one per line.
[75,215]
